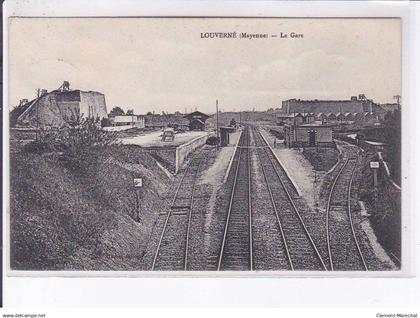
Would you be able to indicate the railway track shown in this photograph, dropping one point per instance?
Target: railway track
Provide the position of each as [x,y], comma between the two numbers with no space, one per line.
[301,251]
[236,251]
[343,247]
[173,248]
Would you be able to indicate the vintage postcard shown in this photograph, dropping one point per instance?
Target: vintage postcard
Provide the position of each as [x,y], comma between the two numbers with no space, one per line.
[204,144]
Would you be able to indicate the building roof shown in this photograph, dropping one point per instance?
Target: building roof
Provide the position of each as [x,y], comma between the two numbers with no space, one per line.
[300,114]
[199,120]
[328,106]
[196,113]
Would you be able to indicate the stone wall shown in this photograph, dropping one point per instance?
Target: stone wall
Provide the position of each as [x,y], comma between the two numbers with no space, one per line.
[184,150]
[93,104]
[42,112]
[57,107]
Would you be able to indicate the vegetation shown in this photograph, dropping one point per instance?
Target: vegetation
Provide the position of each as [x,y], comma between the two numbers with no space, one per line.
[72,141]
[116,111]
[73,204]
[393,140]
[322,159]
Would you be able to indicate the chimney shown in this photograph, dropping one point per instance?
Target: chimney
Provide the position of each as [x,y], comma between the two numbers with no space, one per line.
[43,92]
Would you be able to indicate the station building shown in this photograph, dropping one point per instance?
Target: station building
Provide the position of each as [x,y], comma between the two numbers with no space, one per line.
[197,120]
[308,135]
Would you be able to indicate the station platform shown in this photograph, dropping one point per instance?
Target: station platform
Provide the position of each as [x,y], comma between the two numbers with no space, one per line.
[154,139]
[170,154]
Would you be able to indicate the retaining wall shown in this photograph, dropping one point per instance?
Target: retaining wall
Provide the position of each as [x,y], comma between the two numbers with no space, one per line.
[184,150]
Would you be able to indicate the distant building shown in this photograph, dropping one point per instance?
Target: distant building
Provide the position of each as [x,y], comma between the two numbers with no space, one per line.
[197,120]
[295,119]
[349,116]
[356,104]
[331,116]
[308,135]
[340,117]
[137,121]
[390,107]
[59,107]
[155,121]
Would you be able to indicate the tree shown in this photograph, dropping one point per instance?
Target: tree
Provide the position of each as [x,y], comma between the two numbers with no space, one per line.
[116,111]
[393,139]
[105,122]
[130,112]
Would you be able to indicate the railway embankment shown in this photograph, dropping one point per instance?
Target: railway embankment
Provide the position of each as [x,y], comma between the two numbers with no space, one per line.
[81,215]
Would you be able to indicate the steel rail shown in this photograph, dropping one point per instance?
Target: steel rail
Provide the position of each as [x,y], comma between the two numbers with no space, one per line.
[189,215]
[170,212]
[222,249]
[328,213]
[333,187]
[350,217]
[294,207]
[251,258]
[277,215]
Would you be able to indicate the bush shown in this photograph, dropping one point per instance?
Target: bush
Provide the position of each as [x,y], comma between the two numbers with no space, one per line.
[73,140]
[213,141]
[105,122]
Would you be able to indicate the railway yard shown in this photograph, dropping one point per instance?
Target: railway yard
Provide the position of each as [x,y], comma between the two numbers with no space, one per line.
[248,213]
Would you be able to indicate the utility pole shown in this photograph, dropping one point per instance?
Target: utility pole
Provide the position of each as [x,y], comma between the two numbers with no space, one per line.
[37,114]
[217,123]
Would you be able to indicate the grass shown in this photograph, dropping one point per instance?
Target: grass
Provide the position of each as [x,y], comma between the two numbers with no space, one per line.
[322,159]
[66,217]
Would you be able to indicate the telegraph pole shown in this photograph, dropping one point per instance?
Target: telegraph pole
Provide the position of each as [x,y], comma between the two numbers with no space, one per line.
[217,123]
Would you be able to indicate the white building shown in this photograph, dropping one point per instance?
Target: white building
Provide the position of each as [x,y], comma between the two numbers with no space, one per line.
[128,120]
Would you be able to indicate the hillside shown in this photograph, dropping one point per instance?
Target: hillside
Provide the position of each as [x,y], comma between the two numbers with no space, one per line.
[82,217]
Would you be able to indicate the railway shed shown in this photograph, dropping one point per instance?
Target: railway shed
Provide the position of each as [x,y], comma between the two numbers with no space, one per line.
[197,120]
[308,135]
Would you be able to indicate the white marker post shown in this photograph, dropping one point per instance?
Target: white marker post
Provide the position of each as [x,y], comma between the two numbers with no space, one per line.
[138,184]
[374,165]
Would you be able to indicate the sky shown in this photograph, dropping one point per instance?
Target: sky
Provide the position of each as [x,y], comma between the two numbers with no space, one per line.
[164,64]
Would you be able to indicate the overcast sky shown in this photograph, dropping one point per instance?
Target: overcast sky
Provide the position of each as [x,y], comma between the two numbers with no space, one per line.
[164,64]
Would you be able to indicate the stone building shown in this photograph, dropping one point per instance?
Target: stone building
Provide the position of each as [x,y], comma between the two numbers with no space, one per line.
[356,104]
[59,107]
[308,135]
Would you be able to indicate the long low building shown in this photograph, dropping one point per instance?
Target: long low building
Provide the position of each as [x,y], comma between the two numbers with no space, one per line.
[137,121]
[356,104]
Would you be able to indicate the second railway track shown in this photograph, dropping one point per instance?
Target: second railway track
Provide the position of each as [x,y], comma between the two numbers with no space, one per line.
[236,251]
[343,246]
[300,248]
[172,252]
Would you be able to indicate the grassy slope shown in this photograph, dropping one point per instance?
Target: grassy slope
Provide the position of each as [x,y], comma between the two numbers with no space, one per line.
[322,159]
[64,217]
